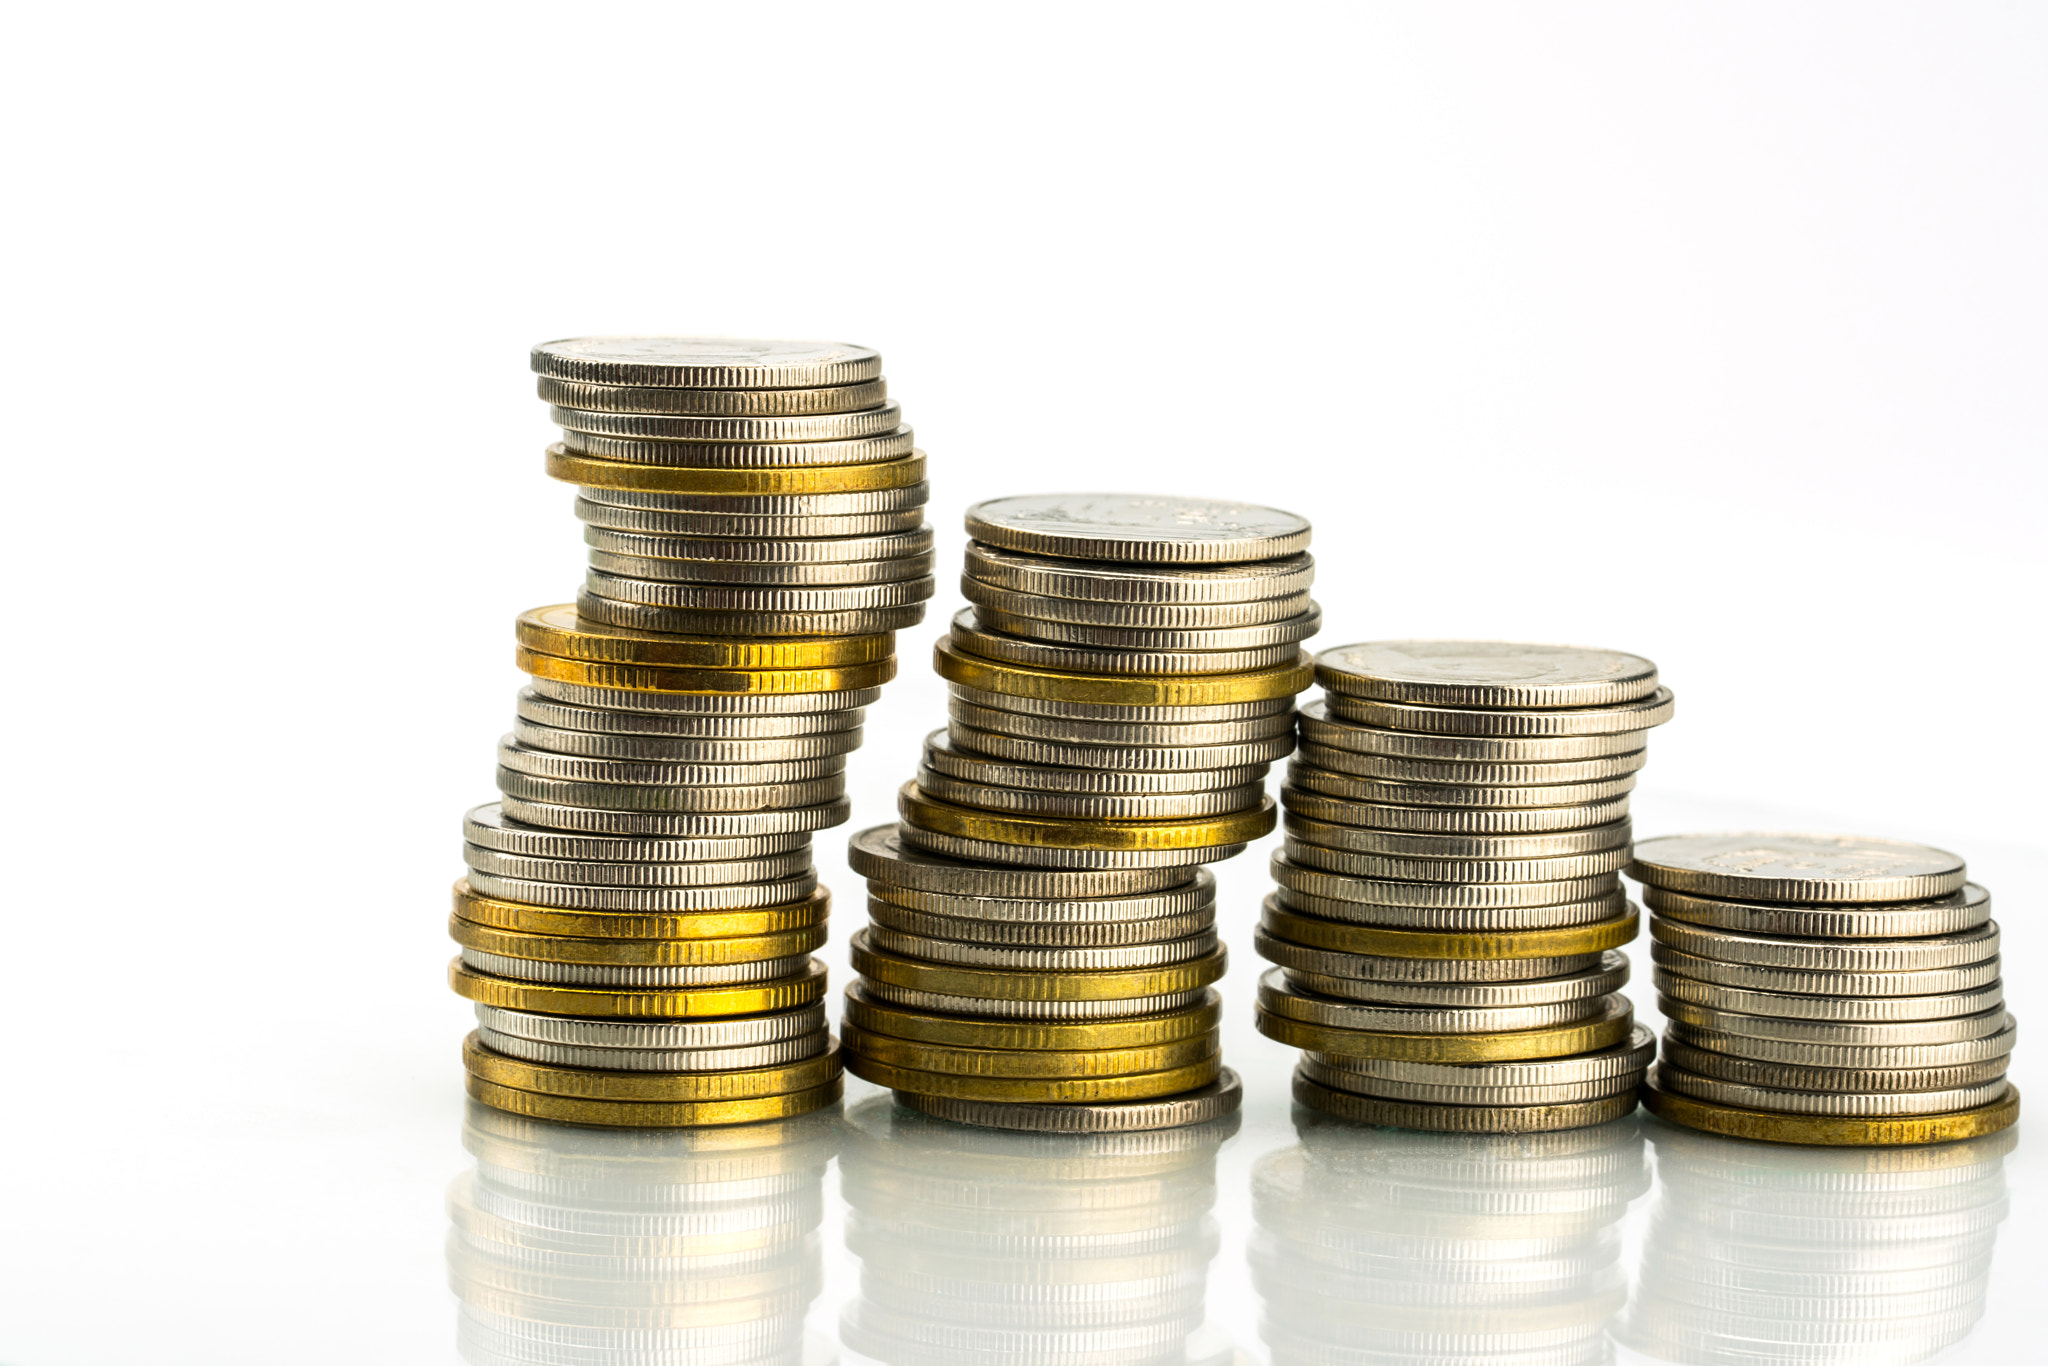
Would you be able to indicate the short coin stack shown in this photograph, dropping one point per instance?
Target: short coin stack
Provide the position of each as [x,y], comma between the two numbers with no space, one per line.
[1825,989]
[1450,908]
[1042,938]
[640,909]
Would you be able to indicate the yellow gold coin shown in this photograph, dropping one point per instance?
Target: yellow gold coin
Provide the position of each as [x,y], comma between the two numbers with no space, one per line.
[644,1115]
[552,948]
[1014,680]
[1048,1064]
[559,631]
[1561,1041]
[1036,1090]
[961,822]
[1378,942]
[864,1013]
[513,915]
[1832,1131]
[643,678]
[571,468]
[687,1003]
[994,984]
[667,1088]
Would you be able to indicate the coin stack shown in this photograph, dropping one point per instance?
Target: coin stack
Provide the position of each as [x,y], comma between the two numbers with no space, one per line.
[1042,938]
[1450,910]
[980,1247]
[1825,989]
[579,1245]
[1479,1249]
[640,909]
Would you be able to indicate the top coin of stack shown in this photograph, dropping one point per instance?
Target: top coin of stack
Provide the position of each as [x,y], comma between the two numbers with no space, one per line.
[1825,989]
[1450,899]
[739,488]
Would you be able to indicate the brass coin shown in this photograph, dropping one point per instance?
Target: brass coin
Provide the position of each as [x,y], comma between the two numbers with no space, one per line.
[559,631]
[646,1115]
[1564,942]
[615,1004]
[996,984]
[644,678]
[873,1016]
[1835,1131]
[1560,1041]
[583,1083]
[513,915]
[1030,1063]
[571,468]
[966,823]
[550,948]
[1036,1090]
[1254,685]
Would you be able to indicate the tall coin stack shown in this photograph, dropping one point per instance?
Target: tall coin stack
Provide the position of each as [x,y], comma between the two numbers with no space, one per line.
[1825,989]
[1450,904]
[1042,939]
[640,909]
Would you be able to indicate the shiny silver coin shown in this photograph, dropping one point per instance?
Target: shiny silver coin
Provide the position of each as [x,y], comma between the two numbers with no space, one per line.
[1193,897]
[672,749]
[1097,711]
[1289,871]
[677,824]
[1320,727]
[735,455]
[1142,528]
[1778,1077]
[1622,1061]
[1485,673]
[1137,616]
[731,524]
[1389,995]
[1328,783]
[705,704]
[942,756]
[705,362]
[724,574]
[1964,910]
[1041,576]
[1566,868]
[989,851]
[1932,953]
[573,897]
[1212,1102]
[1287,631]
[1148,759]
[740,1031]
[1116,958]
[624,398]
[968,637]
[1038,934]
[575,768]
[853,598]
[488,827]
[1473,774]
[1454,919]
[1395,844]
[1276,729]
[1545,723]
[637,797]
[872,420]
[537,710]
[685,621]
[1400,981]
[1278,995]
[656,1060]
[1874,1103]
[1450,820]
[637,873]
[913,545]
[905,498]
[990,1009]
[1824,984]
[1850,1057]
[1956,1027]
[1799,869]
[1571,1346]
[1090,806]
[616,975]
[880,854]
[1313,1067]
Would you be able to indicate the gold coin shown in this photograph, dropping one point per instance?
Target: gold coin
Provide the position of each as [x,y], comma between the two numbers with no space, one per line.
[1560,1041]
[993,984]
[1343,937]
[559,631]
[513,915]
[645,1115]
[1139,1031]
[1044,1064]
[1036,1090]
[1014,680]
[644,678]
[552,948]
[1832,1131]
[665,1088]
[604,1003]
[962,822]
[571,468]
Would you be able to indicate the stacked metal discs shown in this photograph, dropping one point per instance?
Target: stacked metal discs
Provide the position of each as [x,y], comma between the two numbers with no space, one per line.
[1020,1249]
[1762,1254]
[1450,905]
[1042,937]
[1404,1248]
[640,910]
[1825,989]
[573,1245]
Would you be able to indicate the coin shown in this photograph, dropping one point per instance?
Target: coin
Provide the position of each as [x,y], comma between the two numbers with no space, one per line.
[1034,1090]
[709,873]
[1884,956]
[866,1012]
[725,574]
[691,621]
[582,769]
[914,545]
[1796,868]
[1145,528]
[1010,933]
[1116,836]
[685,749]
[736,524]
[1626,1059]
[591,1084]
[1485,673]
[654,1060]
[1359,978]
[1472,774]
[591,472]
[1154,759]
[1596,868]
[666,1035]
[1057,805]
[618,398]
[692,716]
[968,636]
[1332,784]
[725,431]
[1453,820]
[856,597]
[799,989]
[558,630]
[683,824]
[1030,1064]
[1198,1106]
[897,499]
[1318,1025]
[992,676]
[1489,1119]
[630,975]
[1014,1011]
[1464,1095]
[1287,631]
[1288,870]
[645,678]
[760,948]
[1653,710]
[1828,1130]
[705,362]
[1264,738]
[1109,615]
[994,914]
[1963,910]
[883,939]
[765,798]
[705,703]
[1842,1009]
[942,756]
[879,853]
[999,984]
[1037,577]
[1851,1057]
[1451,919]
[486,827]
[1264,709]
[812,910]
[1954,1026]
[1319,726]
[1609,839]
[1767,1076]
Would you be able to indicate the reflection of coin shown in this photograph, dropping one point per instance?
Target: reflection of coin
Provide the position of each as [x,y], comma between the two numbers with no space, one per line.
[1796,868]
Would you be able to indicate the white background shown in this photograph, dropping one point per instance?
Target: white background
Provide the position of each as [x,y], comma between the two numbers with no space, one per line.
[1712,333]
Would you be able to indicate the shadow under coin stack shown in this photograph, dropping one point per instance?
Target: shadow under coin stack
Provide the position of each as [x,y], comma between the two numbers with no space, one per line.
[1042,937]
[639,1249]
[1450,907]
[1003,1249]
[640,910]
[1824,989]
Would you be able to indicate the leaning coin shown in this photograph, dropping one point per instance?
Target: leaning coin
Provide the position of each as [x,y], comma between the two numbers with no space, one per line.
[1286,631]
[674,749]
[689,621]
[1566,868]
[998,984]
[1196,897]
[1019,1012]
[1880,991]
[1261,709]
[1625,1060]
[678,824]
[1083,806]
[579,769]
[1868,1104]
[1578,980]
[1848,1057]
[880,854]
[706,703]
[1473,774]
[1653,710]
[487,827]
[1148,759]
[1827,1130]
[705,362]
[967,635]
[1955,1023]
[671,900]
[809,912]
[942,756]
[1289,871]
[800,988]
[1724,1067]
[1318,725]
[1004,933]
[1932,953]
[1462,1094]
[1801,869]
[1199,1106]
[911,545]
[738,524]
[638,797]
[1609,839]
[729,598]
[1965,909]
[1453,820]
[654,1059]
[1452,919]
[768,717]
[652,1115]
[656,1035]
[883,939]
[620,398]
[1145,528]
[1485,673]
[1022,1063]
[638,873]
[593,1084]
[1280,997]
[1196,1019]
[729,574]
[1342,785]
[1045,856]
[559,630]
[1261,732]
[1467,1119]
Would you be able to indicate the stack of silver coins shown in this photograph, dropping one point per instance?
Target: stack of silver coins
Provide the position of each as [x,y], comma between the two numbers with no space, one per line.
[982,1247]
[1763,1254]
[1119,689]
[1394,1248]
[1450,907]
[581,1245]
[1825,989]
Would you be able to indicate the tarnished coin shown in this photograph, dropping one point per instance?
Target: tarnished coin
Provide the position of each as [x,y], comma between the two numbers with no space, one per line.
[679,824]
[1453,820]
[738,598]
[1110,614]
[1288,631]
[1931,953]
[487,827]
[1485,673]
[1033,1063]
[1379,790]
[1199,1106]
[685,749]
[624,398]
[1965,909]
[706,362]
[1259,709]
[691,621]
[1058,934]
[1319,726]
[1197,1019]
[1461,1094]
[655,1060]
[1460,1119]
[1141,528]
[749,526]
[879,854]
[942,756]
[906,545]
[747,1031]
[1392,844]
[704,703]
[1567,867]
[1049,856]
[1473,774]
[1453,919]
[967,635]
[765,718]
[761,797]
[1208,764]
[1856,1131]
[1799,869]
[1768,1076]
[1265,733]
[1624,1060]
[1009,958]
[1653,710]
[642,977]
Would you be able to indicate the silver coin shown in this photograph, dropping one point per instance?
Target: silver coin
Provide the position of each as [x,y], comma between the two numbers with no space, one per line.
[1313,1067]
[487,827]
[1036,933]
[1279,996]
[623,398]
[1889,987]
[1871,955]
[854,503]
[1142,527]
[1963,910]
[695,825]
[1127,736]
[1314,854]
[689,621]
[1454,919]
[661,452]
[1481,1119]
[1006,958]
[638,976]
[676,749]
[1194,897]
[1851,1057]
[1221,1097]
[572,897]
[877,420]
[705,704]
[1319,726]
[991,1009]
[732,598]
[1289,871]
[989,851]
[725,574]
[968,637]
[1089,806]
[880,854]
[1093,711]
[1092,581]
[534,709]
[1778,1077]
[1798,868]
[1386,996]
[576,768]
[1622,1061]
[1874,1103]
[907,545]
[942,756]
[750,526]
[1473,774]
[1653,710]
[1485,673]
[1453,820]
[1287,631]
[1152,760]
[742,1031]
[637,873]
[1328,783]
[1953,1027]
[706,362]
[633,797]
[655,1060]
[1397,981]
[1392,844]
[1137,616]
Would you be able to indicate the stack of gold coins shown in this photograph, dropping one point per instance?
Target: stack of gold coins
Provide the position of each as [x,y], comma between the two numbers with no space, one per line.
[1485,1249]
[1825,989]
[1450,904]
[579,1245]
[1042,939]
[981,1247]
[640,909]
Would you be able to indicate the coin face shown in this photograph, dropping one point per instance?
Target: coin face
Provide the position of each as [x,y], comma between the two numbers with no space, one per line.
[705,362]
[1148,528]
[1780,867]
[1486,673]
